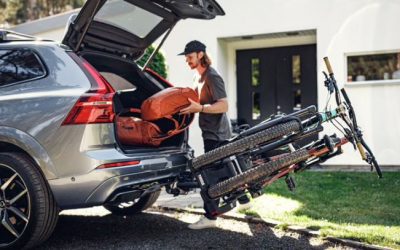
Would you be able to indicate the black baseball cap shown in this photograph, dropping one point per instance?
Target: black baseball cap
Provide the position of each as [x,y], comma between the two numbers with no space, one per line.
[193,46]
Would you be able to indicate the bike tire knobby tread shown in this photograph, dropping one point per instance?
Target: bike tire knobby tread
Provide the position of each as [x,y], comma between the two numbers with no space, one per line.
[245,143]
[231,184]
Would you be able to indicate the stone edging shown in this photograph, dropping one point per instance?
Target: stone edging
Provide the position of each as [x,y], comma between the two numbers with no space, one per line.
[301,230]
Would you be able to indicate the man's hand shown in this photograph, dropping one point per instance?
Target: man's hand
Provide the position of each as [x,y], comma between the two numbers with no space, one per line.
[194,107]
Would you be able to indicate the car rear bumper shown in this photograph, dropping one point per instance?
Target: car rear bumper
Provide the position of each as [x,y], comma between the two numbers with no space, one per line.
[102,185]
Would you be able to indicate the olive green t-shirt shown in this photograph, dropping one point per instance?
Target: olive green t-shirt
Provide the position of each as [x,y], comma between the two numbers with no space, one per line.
[213,126]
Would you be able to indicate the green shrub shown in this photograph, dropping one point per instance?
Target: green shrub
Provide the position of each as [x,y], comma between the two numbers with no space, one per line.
[158,63]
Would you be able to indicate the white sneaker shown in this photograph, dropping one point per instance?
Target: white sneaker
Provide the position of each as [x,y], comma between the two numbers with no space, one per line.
[244,207]
[204,222]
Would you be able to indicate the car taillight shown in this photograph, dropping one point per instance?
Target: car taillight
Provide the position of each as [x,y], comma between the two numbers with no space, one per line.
[118,164]
[95,106]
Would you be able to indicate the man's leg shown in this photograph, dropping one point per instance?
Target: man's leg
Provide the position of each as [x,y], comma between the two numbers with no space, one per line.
[208,146]
[209,220]
[244,201]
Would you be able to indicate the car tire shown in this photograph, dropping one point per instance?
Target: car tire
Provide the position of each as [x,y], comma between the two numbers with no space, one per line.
[133,207]
[28,211]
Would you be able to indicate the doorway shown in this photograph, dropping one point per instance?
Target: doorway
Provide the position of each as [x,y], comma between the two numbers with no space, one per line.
[275,80]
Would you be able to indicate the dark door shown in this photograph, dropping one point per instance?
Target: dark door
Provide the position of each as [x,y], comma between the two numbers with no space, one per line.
[275,80]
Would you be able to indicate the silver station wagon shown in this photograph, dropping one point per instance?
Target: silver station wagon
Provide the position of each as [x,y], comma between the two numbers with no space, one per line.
[58,103]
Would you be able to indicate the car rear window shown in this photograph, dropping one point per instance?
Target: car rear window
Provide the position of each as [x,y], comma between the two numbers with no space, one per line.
[129,17]
[17,65]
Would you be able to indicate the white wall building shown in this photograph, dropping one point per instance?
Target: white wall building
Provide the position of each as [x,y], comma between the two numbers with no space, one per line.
[351,33]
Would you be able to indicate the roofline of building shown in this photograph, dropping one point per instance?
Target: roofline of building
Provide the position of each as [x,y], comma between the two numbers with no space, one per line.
[45,24]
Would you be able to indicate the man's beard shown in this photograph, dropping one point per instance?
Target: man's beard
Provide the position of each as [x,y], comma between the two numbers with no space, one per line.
[193,65]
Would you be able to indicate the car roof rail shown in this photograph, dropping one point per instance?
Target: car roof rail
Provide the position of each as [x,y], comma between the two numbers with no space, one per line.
[9,35]
[3,35]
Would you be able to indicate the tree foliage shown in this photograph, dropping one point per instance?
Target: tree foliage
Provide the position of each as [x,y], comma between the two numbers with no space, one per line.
[14,12]
[158,63]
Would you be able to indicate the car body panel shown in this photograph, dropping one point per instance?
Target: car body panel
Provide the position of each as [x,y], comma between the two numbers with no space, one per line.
[20,139]
[34,110]
[32,115]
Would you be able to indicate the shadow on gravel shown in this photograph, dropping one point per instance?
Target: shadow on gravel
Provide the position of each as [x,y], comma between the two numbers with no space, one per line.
[154,231]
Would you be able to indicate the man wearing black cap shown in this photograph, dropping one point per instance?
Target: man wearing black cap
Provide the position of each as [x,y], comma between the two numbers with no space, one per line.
[213,106]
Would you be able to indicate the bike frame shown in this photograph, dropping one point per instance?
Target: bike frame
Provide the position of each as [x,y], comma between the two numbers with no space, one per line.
[243,164]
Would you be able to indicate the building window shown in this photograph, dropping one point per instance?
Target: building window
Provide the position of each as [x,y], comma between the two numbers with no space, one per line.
[297,99]
[256,106]
[255,72]
[384,66]
[296,69]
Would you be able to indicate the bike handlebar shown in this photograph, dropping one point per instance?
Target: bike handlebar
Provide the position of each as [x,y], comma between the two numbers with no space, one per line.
[372,159]
[361,150]
[328,65]
[331,81]
[356,132]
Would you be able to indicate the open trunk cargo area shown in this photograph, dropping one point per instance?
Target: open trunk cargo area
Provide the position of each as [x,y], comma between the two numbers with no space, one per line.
[133,86]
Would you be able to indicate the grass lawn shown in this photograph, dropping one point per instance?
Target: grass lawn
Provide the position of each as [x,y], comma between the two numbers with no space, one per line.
[356,206]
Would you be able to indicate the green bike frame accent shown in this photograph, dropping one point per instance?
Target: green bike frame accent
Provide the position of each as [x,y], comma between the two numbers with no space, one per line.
[329,115]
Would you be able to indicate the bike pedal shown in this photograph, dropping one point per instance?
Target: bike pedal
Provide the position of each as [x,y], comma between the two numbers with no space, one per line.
[291,184]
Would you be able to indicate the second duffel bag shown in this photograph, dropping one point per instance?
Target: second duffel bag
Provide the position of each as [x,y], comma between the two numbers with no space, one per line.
[134,131]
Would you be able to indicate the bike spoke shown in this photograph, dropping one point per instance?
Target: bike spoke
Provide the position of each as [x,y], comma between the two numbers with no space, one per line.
[12,201]
[8,182]
[8,225]
[18,212]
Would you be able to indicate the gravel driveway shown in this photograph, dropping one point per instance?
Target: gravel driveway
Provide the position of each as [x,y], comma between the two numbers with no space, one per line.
[97,229]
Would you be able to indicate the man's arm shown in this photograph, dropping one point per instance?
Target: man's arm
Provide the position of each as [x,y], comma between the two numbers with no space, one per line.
[220,106]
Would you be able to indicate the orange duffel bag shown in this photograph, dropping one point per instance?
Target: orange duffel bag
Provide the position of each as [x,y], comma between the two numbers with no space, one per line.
[167,102]
[162,105]
[134,131]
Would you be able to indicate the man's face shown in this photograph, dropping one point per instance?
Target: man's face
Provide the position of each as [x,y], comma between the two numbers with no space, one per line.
[193,59]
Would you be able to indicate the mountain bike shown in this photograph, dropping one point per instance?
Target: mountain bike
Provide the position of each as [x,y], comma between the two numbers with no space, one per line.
[258,156]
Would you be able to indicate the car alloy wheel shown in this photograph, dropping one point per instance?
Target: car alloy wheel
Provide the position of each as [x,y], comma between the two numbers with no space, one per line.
[15,206]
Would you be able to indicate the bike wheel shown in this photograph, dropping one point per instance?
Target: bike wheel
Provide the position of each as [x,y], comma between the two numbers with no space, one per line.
[262,171]
[246,143]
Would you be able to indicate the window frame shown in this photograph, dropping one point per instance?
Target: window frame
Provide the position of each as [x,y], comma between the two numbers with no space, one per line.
[368,82]
[39,59]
